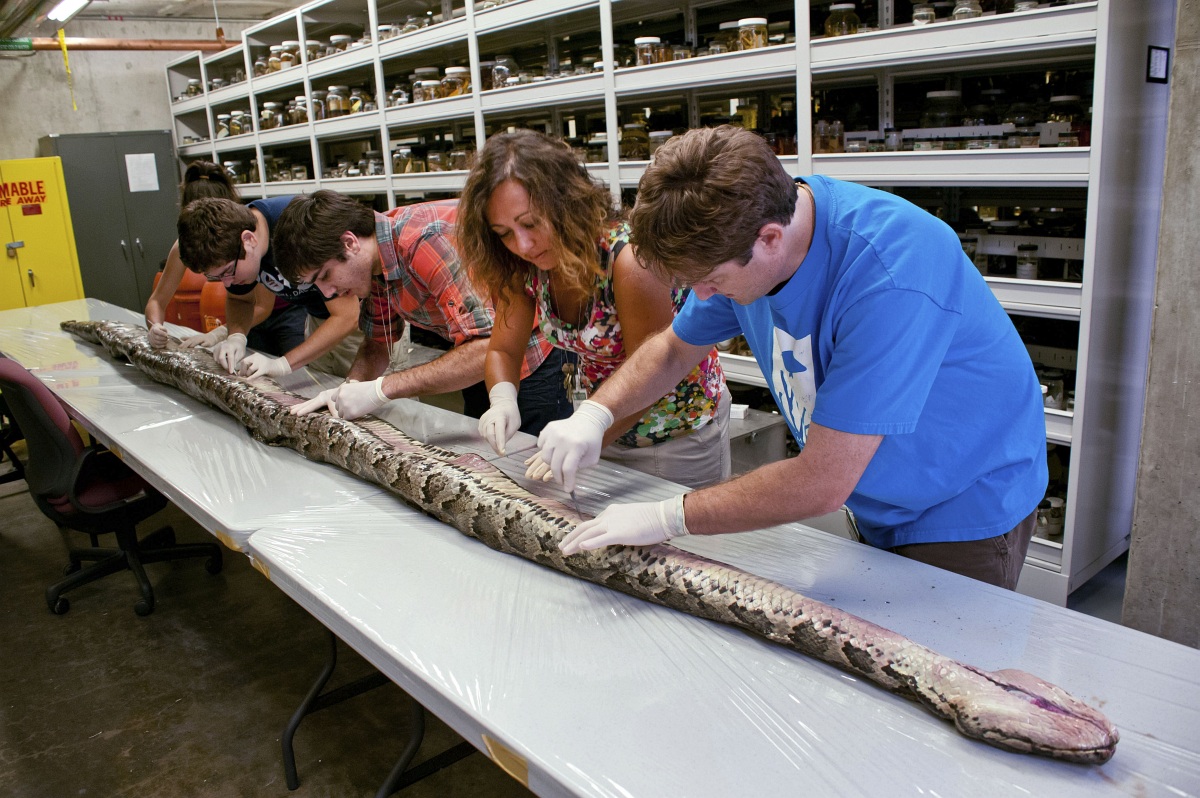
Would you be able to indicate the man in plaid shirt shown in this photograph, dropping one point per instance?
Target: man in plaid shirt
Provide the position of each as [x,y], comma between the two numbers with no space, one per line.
[404,266]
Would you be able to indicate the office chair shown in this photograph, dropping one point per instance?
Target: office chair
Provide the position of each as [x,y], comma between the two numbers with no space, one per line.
[10,433]
[90,490]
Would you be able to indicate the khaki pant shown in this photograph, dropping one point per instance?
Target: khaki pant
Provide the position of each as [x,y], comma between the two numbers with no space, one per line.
[337,361]
[696,460]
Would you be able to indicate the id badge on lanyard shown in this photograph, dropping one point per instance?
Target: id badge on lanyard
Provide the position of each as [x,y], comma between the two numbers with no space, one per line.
[573,384]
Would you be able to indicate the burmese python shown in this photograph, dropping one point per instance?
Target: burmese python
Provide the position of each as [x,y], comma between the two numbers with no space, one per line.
[1009,709]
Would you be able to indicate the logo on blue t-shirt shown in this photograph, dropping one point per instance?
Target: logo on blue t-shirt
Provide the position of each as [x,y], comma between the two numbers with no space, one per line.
[274,283]
[792,382]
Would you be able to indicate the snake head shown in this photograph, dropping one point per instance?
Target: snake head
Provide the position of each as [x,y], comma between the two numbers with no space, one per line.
[1023,713]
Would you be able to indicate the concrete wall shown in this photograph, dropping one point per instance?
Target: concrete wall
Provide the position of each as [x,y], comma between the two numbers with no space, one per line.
[114,90]
[1162,593]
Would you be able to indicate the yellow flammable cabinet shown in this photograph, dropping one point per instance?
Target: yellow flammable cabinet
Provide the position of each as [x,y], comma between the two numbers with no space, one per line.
[40,264]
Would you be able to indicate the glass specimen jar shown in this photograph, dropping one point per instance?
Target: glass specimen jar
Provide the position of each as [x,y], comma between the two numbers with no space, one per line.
[274,64]
[456,82]
[644,47]
[923,14]
[842,20]
[194,88]
[966,9]
[222,126]
[337,102]
[752,33]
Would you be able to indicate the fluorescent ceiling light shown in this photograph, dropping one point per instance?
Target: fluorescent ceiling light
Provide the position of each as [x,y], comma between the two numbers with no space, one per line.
[65,10]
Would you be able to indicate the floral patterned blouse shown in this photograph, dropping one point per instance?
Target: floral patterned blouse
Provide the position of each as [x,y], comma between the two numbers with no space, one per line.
[601,348]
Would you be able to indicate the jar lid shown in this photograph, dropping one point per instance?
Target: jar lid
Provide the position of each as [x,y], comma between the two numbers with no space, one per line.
[194,80]
[270,105]
[661,134]
[319,93]
[222,116]
[312,43]
[487,63]
[429,84]
[634,126]
[339,89]
[947,93]
[458,70]
[425,71]
[300,98]
[727,25]
[842,7]
[598,138]
[647,40]
[1065,98]
[291,42]
[276,48]
[341,37]
[763,20]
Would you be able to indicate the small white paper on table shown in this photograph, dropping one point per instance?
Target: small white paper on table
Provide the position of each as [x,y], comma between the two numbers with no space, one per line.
[142,171]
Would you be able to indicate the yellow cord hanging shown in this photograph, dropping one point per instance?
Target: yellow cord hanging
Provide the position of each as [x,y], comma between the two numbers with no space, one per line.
[62,42]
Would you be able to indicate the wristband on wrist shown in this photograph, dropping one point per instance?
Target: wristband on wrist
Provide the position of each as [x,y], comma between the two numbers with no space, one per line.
[383,397]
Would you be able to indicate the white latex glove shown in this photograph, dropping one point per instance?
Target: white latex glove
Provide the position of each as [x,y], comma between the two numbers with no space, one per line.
[639,524]
[566,446]
[208,340]
[503,418]
[350,400]
[229,353]
[159,337]
[257,365]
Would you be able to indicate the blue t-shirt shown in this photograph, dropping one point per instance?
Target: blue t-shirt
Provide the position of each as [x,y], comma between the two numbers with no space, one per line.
[305,294]
[886,328]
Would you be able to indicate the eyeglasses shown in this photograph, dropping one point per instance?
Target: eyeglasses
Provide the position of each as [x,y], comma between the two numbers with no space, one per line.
[220,276]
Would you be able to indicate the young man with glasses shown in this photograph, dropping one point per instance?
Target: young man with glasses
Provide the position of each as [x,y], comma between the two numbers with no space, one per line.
[230,243]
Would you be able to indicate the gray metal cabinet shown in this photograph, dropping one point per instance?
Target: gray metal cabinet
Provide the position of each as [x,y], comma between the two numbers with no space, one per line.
[124,198]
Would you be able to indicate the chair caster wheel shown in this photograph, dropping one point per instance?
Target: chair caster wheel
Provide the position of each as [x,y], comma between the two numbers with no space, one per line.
[144,608]
[61,606]
[71,568]
[213,565]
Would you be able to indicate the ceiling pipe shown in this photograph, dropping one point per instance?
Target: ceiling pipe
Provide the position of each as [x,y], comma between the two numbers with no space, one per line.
[89,43]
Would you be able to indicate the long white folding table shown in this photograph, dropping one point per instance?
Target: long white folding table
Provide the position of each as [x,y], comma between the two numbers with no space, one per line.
[200,458]
[577,690]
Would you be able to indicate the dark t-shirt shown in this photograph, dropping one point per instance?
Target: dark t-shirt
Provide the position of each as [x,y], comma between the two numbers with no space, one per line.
[305,294]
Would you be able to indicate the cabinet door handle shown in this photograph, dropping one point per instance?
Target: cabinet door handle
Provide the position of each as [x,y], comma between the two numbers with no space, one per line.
[138,241]
[124,249]
[12,246]
[31,282]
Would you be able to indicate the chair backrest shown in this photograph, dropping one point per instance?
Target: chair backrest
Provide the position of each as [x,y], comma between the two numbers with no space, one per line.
[53,443]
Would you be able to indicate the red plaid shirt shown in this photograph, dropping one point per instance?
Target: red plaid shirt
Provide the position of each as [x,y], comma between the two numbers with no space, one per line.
[424,283]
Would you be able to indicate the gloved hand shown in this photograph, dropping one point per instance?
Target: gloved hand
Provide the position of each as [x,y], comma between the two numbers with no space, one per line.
[257,365]
[350,400]
[159,337]
[208,340]
[229,353]
[503,418]
[568,445]
[639,524]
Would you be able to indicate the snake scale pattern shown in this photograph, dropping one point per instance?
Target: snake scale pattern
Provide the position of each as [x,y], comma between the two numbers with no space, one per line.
[1009,709]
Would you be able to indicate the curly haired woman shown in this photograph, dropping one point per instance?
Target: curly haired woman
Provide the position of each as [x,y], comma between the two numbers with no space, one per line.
[541,235]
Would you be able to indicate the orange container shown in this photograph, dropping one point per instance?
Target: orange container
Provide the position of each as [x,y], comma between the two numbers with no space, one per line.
[212,306]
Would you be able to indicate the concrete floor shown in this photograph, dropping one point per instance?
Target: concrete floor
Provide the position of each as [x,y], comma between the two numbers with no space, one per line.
[190,701]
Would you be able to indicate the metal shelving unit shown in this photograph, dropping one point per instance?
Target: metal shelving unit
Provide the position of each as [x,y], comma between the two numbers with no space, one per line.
[1112,305]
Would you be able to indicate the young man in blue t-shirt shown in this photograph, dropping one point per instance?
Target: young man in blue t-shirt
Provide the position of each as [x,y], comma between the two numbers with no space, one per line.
[903,380]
